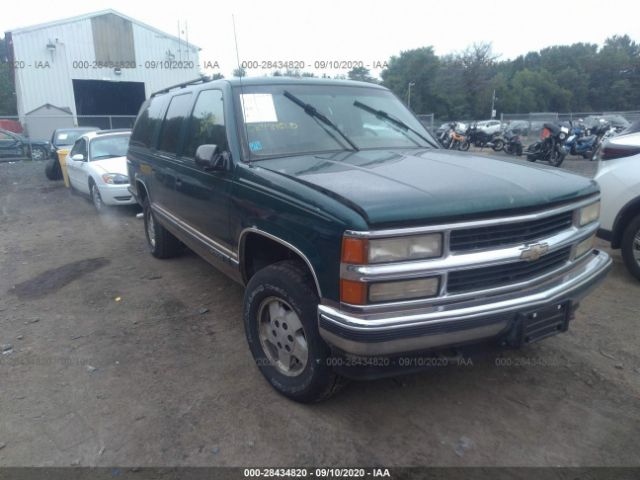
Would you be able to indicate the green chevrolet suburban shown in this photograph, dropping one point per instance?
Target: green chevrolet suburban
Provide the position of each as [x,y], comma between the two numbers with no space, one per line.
[361,245]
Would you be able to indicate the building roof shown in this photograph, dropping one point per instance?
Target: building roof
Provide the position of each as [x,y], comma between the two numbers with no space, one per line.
[87,16]
[49,106]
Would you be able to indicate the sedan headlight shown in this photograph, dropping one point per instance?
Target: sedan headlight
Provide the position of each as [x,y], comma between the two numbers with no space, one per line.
[400,249]
[588,214]
[115,178]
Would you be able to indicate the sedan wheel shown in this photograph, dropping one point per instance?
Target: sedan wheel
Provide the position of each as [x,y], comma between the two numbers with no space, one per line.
[38,154]
[630,246]
[97,199]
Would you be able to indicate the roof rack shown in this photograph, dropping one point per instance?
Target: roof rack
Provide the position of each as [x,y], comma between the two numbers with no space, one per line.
[201,79]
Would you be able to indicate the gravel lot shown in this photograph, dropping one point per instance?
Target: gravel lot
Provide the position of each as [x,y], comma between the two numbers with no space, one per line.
[112,357]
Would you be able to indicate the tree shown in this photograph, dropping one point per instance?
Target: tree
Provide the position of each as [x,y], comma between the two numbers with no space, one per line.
[217,76]
[361,74]
[239,72]
[7,88]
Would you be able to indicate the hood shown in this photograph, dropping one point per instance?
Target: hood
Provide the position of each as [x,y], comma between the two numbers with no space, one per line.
[391,187]
[111,165]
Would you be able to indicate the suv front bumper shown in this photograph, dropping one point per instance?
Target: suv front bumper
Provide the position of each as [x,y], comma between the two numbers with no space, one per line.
[470,321]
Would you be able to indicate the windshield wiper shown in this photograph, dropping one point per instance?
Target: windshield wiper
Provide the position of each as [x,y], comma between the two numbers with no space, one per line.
[398,123]
[313,112]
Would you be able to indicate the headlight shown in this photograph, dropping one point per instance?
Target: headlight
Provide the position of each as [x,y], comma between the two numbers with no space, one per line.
[405,248]
[404,290]
[115,178]
[589,214]
[584,247]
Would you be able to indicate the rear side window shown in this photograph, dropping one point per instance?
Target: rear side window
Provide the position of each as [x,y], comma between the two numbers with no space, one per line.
[173,122]
[146,124]
[206,126]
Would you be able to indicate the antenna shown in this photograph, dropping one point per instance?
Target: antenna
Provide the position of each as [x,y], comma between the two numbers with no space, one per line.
[244,116]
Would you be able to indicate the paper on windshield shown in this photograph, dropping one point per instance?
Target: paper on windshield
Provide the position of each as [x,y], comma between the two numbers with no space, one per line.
[258,107]
[62,136]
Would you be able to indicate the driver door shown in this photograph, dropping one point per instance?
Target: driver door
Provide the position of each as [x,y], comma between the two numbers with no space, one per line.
[76,168]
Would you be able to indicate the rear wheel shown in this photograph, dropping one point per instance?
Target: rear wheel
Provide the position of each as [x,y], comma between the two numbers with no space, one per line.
[497,145]
[161,242]
[38,153]
[281,325]
[464,146]
[631,246]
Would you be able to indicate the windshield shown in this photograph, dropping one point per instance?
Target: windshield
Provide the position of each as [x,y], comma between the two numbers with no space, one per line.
[109,147]
[276,125]
[67,137]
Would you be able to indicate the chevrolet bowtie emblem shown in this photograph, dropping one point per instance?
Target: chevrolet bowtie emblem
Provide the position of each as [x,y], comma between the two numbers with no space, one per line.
[531,253]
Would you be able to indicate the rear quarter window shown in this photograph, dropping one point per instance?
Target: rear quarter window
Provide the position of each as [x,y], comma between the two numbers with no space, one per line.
[147,124]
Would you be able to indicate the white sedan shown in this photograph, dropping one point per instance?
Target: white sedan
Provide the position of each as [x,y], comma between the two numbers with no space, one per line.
[619,179]
[97,166]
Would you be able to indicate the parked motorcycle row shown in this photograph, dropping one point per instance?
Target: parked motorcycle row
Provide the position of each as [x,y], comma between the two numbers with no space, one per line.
[557,140]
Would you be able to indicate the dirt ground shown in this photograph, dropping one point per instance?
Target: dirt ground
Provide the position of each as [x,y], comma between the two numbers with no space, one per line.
[111,357]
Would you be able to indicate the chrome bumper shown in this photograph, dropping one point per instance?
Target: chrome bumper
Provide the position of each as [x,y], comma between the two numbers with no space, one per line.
[454,323]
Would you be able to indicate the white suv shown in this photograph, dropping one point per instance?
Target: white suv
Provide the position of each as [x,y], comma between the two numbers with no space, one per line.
[619,179]
[489,126]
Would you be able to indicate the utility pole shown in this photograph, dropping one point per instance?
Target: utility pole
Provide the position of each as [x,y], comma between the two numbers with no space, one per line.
[493,105]
[411,84]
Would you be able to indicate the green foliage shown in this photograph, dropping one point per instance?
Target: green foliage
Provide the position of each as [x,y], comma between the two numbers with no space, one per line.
[7,90]
[239,72]
[564,78]
[361,74]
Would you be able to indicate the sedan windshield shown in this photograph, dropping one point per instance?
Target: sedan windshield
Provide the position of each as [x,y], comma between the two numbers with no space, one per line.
[108,147]
[284,120]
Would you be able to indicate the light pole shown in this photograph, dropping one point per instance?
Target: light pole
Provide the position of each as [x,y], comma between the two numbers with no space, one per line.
[411,84]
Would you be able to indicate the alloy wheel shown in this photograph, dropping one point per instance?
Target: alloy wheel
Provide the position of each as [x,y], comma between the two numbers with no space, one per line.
[282,336]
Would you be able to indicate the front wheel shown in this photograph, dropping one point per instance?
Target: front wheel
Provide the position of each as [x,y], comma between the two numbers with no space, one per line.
[281,325]
[464,146]
[630,246]
[96,198]
[497,145]
[557,157]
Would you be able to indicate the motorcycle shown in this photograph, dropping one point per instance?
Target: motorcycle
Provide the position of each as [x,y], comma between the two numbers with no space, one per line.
[581,142]
[512,143]
[445,137]
[550,146]
[481,139]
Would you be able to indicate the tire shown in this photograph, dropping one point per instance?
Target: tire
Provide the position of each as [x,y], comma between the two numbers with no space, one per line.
[498,145]
[556,158]
[288,349]
[630,246]
[52,169]
[38,154]
[96,198]
[531,158]
[161,242]
[464,146]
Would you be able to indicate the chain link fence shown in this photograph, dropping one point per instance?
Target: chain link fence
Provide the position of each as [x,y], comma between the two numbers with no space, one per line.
[41,127]
[531,124]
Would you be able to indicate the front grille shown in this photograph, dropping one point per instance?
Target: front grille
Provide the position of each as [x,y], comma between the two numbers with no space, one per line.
[499,275]
[509,233]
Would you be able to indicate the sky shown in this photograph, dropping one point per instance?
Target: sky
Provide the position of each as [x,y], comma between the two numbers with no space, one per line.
[354,31]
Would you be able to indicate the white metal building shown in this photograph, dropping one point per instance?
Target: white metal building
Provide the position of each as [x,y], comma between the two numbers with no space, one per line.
[102,63]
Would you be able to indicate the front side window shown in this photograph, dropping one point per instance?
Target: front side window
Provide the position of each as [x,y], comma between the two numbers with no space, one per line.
[112,146]
[173,122]
[79,147]
[276,125]
[206,126]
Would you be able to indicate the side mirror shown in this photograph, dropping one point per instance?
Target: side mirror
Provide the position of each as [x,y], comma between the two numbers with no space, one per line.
[210,158]
[78,157]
